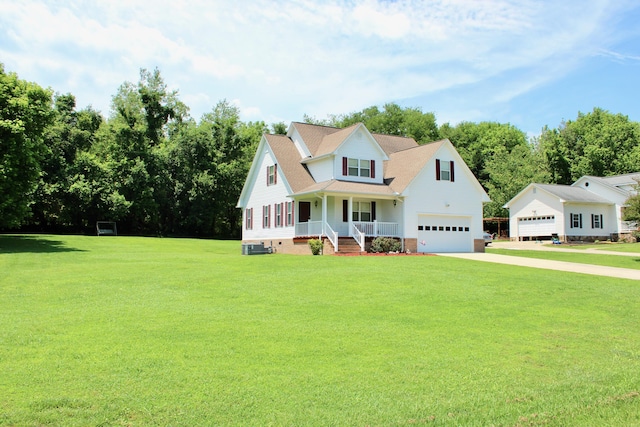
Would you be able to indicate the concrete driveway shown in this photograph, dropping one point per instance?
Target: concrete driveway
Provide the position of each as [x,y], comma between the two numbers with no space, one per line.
[598,270]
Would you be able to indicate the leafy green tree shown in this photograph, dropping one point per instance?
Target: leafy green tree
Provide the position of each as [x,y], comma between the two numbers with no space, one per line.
[133,147]
[208,163]
[479,142]
[25,112]
[391,120]
[72,132]
[509,173]
[598,143]
[279,128]
[632,206]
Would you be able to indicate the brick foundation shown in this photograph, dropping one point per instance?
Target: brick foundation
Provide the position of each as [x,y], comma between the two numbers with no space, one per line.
[411,245]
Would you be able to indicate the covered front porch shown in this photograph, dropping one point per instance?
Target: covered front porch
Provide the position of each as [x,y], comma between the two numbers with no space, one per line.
[354,216]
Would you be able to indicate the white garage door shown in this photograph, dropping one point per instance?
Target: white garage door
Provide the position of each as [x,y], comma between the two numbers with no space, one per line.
[537,226]
[444,234]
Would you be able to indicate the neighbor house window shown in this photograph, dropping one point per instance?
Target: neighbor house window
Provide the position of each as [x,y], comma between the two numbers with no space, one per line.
[361,211]
[444,170]
[576,220]
[596,221]
[248,219]
[266,216]
[272,175]
[358,167]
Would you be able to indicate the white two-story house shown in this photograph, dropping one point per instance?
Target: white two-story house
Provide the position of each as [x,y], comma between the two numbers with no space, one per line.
[349,186]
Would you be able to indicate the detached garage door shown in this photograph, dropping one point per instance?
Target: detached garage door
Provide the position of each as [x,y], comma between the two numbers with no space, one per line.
[536,226]
[438,233]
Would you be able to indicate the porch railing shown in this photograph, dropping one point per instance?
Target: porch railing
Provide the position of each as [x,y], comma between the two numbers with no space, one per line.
[376,228]
[311,228]
[628,226]
[358,235]
[332,235]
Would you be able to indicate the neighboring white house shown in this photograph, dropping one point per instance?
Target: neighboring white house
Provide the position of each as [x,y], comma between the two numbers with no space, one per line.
[590,209]
[349,185]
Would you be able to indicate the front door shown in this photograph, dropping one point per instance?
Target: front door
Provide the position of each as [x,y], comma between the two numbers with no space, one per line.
[304,211]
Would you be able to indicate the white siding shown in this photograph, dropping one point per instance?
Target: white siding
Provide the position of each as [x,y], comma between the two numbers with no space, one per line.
[608,217]
[360,145]
[426,196]
[321,170]
[536,203]
[606,192]
[261,195]
[299,143]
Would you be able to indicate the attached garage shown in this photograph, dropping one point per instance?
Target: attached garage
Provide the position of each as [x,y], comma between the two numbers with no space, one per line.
[537,226]
[443,233]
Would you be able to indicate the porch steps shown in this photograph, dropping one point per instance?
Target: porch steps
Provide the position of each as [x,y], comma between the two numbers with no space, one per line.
[347,245]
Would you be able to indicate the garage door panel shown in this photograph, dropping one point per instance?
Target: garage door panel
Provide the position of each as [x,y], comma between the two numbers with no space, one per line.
[536,226]
[444,234]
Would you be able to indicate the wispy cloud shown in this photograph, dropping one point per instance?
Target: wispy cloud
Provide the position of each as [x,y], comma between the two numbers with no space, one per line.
[280,59]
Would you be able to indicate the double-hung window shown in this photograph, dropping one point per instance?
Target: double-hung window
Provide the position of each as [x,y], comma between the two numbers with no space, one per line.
[249,218]
[575,220]
[444,170]
[596,221]
[278,209]
[266,216]
[361,211]
[289,214]
[272,175]
[358,167]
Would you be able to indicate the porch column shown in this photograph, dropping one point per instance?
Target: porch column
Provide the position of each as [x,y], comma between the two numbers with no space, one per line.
[401,226]
[350,218]
[324,214]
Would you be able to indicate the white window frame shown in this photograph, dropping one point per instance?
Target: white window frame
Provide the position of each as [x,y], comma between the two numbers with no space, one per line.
[278,214]
[358,167]
[248,219]
[266,216]
[445,171]
[289,214]
[271,179]
[361,211]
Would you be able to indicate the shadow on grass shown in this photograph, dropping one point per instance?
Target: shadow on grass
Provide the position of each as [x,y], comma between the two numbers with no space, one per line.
[32,244]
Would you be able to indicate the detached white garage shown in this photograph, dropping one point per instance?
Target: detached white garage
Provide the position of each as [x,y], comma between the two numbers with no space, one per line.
[444,233]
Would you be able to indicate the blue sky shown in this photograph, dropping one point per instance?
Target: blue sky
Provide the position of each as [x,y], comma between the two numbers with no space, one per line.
[525,62]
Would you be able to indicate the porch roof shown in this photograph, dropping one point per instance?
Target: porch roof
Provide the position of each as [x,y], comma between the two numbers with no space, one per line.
[346,187]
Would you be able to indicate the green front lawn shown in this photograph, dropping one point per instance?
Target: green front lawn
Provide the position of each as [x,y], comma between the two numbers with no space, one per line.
[615,247]
[591,257]
[142,331]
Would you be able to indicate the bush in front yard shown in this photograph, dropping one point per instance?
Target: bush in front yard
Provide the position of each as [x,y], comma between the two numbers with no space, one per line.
[315,245]
[384,244]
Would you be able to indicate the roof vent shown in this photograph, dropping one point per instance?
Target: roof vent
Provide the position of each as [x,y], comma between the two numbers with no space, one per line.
[586,184]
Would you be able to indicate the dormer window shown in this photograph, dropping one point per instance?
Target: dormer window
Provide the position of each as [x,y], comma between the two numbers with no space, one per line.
[272,175]
[358,167]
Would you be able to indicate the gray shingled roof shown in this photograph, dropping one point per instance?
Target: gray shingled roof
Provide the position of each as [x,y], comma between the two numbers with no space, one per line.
[621,180]
[568,193]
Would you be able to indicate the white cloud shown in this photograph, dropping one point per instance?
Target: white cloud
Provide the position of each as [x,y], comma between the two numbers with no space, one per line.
[285,58]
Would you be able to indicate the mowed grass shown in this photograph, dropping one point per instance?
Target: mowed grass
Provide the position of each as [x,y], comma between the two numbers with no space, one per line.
[143,331]
[591,257]
[616,247]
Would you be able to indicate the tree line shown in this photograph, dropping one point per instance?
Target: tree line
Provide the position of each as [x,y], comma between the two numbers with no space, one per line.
[157,171]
